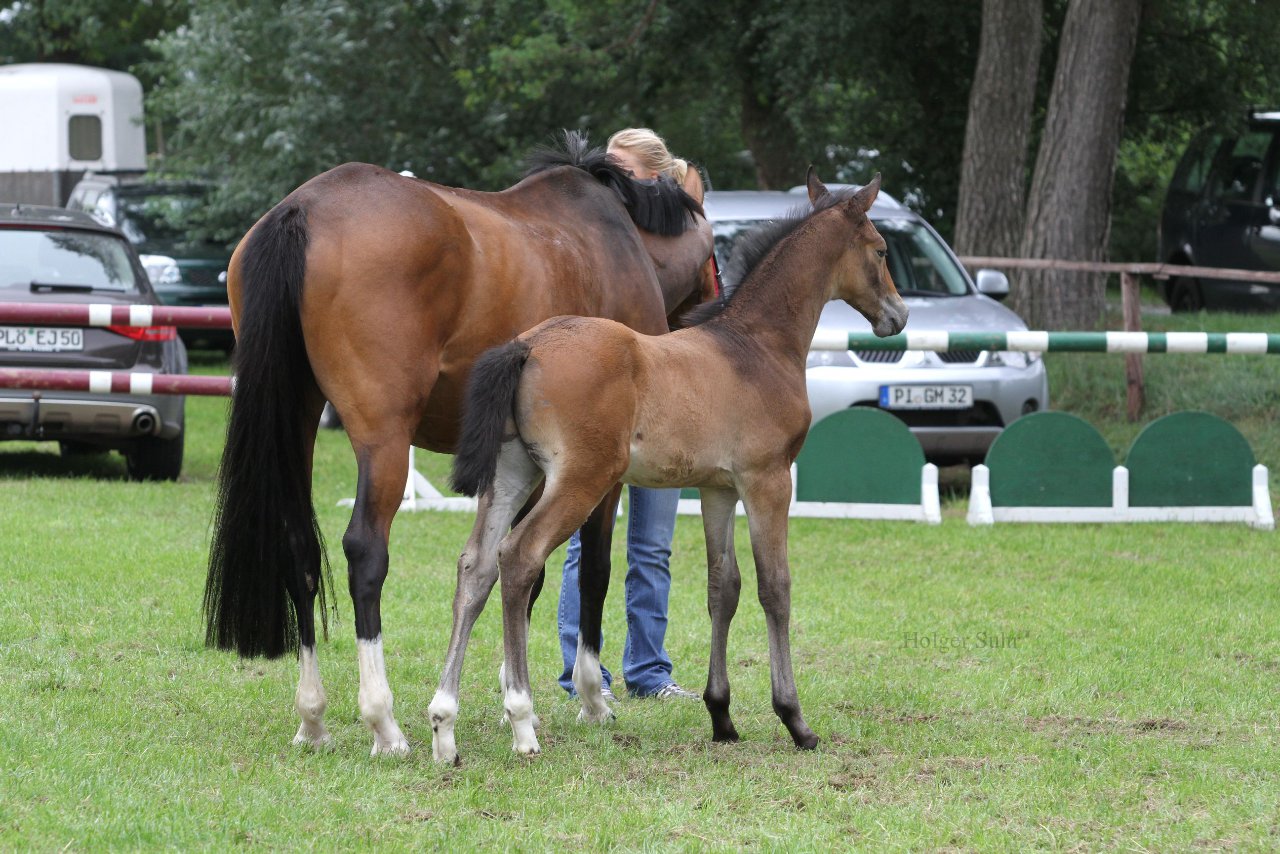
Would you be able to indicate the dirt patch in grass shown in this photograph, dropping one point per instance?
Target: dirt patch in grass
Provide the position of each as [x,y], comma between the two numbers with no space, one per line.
[1062,725]
[1247,660]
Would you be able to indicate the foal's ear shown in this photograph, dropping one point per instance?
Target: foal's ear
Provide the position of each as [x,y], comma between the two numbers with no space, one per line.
[867,195]
[816,188]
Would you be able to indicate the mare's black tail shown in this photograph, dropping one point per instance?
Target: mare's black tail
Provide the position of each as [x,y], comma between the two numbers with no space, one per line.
[491,394]
[267,548]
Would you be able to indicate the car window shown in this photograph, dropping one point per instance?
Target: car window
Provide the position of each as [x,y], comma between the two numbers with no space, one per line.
[1270,184]
[65,257]
[1239,166]
[1194,167]
[157,219]
[918,260]
[104,209]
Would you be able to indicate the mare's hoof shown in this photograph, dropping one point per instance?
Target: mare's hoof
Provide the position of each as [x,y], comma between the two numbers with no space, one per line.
[808,742]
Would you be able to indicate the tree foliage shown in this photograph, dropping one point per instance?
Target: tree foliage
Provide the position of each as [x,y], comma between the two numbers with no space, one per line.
[105,33]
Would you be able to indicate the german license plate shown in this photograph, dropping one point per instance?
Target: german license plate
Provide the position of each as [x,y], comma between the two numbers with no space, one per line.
[40,339]
[926,396]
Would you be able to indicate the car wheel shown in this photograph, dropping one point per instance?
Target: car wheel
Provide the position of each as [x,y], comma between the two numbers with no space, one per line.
[1184,295]
[155,459]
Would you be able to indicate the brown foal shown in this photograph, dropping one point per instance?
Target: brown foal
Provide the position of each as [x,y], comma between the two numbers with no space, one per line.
[585,403]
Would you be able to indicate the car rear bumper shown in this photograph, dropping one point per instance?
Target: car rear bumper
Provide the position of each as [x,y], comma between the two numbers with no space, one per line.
[68,416]
[1001,395]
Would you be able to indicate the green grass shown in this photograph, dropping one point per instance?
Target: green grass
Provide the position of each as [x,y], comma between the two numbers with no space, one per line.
[1132,705]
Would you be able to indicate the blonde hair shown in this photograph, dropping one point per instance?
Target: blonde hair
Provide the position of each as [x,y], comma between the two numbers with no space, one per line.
[651,150]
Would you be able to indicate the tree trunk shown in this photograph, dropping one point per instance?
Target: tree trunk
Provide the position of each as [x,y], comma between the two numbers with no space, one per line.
[772,140]
[766,127]
[993,170]
[1069,206]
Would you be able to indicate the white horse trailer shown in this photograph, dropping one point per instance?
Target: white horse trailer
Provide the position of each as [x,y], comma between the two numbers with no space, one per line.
[59,121]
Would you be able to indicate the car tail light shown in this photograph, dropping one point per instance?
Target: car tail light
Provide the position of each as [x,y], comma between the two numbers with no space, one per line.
[146,333]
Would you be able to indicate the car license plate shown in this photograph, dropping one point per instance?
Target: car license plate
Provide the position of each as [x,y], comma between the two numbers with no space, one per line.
[40,339]
[926,396]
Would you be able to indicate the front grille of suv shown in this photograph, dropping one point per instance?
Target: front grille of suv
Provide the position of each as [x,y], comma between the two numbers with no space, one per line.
[879,357]
[981,414]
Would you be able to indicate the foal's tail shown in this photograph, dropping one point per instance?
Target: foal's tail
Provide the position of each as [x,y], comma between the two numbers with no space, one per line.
[267,547]
[491,394]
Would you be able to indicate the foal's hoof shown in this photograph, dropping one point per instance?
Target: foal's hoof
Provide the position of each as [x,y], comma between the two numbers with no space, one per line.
[316,739]
[537,721]
[397,747]
[599,716]
[444,758]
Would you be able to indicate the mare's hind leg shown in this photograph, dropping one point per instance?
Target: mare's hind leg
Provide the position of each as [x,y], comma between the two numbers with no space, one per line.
[379,490]
[516,478]
[723,586]
[767,497]
[309,700]
[520,557]
[593,584]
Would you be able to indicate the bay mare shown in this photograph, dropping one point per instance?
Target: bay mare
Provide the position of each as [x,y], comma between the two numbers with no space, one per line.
[721,406]
[377,292]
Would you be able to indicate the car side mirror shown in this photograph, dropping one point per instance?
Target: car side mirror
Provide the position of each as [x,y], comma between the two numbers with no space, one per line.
[993,283]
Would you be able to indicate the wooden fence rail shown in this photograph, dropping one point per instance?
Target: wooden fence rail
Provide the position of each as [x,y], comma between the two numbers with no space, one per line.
[1129,273]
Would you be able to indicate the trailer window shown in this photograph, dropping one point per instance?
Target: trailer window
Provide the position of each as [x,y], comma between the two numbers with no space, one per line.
[85,136]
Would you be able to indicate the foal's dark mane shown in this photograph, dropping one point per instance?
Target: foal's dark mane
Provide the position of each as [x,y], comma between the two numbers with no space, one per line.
[658,206]
[753,247]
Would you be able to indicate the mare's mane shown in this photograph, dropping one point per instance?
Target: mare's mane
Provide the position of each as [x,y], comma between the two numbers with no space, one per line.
[657,206]
[752,248]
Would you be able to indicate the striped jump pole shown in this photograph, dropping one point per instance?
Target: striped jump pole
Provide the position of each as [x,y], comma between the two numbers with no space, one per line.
[105,314]
[114,382]
[1057,342]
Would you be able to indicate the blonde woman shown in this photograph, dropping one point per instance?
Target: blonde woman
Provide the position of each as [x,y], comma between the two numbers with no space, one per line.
[651,521]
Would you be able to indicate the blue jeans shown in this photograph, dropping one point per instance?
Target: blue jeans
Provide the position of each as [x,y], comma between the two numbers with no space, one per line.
[651,523]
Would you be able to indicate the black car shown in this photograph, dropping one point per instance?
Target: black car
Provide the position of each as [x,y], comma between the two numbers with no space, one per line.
[54,255]
[1222,209]
[154,216]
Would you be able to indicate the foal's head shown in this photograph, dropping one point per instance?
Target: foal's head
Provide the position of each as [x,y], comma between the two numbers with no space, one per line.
[861,276]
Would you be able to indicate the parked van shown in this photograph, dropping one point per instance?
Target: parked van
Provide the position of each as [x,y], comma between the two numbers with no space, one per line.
[62,120]
[1223,210]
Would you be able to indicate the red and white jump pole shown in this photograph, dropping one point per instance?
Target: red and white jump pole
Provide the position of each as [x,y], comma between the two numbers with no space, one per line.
[108,382]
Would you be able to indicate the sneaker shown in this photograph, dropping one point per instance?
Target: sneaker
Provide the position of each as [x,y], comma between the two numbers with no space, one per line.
[672,691]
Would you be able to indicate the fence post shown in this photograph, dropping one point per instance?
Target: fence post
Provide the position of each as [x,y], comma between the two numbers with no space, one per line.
[1137,393]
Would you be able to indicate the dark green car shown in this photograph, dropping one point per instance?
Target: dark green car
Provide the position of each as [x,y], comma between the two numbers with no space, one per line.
[183,270]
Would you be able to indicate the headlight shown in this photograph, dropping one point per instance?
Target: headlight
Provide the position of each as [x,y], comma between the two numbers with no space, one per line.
[1014,358]
[829,358]
[161,269]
